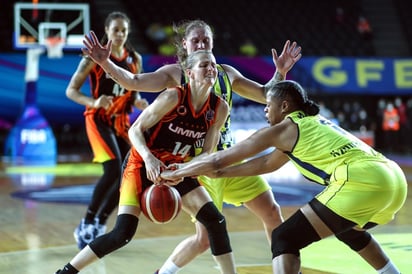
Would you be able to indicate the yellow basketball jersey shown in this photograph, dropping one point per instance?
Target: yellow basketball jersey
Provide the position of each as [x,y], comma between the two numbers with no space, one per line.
[323,145]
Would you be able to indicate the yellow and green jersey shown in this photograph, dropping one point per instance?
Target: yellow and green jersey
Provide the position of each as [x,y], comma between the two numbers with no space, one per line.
[323,145]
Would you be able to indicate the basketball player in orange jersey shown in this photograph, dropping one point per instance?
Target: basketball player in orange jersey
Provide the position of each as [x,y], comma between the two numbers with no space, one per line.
[253,192]
[179,121]
[107,122]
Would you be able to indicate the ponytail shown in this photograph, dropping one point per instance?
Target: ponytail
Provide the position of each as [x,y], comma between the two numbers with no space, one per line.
[310,107]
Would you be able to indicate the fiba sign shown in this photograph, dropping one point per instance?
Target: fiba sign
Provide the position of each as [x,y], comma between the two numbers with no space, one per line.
[31,141]
[33,136]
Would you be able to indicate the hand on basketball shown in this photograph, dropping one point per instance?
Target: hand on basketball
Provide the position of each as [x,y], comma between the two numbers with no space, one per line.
[95,50]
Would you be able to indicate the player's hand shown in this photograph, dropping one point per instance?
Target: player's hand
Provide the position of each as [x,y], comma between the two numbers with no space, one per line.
[176,166]
[153,169]
[141,103]
[103,101]
[169,175]
[290,55]
[171,182]
[97,52]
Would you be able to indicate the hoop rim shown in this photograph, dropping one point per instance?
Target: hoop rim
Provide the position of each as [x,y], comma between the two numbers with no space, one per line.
[52,40]
[54,46]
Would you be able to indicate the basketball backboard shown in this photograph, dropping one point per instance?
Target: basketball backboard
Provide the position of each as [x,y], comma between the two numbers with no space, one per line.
[38,24]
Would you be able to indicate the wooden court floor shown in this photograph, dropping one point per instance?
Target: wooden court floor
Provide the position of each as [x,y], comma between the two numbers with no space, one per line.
[36,236]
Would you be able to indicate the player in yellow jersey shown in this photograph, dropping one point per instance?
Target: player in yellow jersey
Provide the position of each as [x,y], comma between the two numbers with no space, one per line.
[363,188]
[253,192]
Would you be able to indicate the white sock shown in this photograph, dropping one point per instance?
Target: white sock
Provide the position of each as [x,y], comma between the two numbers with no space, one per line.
[169,267]
[389,268]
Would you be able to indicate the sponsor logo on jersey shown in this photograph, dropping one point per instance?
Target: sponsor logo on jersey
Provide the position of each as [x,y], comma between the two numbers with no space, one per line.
[186,132]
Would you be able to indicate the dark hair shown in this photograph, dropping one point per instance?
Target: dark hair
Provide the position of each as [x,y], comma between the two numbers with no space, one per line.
[119,15]
[292,91]
[182,30]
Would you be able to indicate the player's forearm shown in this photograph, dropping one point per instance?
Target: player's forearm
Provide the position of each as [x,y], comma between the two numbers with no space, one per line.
[205,164]
[252,167]
[233,171]
[77,96]
[120,75]
[277,76]
[195,167]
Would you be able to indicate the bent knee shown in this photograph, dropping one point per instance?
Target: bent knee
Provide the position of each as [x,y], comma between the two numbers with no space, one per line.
[281,244]
[202,239]
[121,234]
[293,235]
[203,244]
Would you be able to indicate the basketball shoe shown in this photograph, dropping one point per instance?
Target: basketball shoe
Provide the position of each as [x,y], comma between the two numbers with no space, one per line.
[84,234]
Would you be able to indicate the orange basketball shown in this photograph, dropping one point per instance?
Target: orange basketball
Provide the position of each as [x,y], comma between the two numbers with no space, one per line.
[160,203]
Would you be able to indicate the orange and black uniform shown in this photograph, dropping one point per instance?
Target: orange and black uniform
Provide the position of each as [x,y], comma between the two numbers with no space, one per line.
[100,124]
[172,140]
[107,134]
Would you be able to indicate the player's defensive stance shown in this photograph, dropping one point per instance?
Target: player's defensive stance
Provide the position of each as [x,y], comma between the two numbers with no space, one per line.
[363,188]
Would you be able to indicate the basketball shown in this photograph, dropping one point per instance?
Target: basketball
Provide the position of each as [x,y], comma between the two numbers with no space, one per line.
[160,203]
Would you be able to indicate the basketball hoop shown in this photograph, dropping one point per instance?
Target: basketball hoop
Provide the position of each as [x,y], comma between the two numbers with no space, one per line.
[54,47]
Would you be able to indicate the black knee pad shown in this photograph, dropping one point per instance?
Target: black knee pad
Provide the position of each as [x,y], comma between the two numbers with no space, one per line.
[215,224]
[293,235]
[355,239]
[121,234]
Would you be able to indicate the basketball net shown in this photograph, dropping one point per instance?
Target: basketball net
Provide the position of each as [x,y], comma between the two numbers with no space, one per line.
[54,47]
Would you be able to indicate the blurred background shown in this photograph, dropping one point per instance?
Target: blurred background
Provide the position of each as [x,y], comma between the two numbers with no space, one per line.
[356,61]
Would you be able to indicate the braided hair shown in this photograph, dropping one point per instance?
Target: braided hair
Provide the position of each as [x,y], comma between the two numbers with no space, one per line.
[294,92]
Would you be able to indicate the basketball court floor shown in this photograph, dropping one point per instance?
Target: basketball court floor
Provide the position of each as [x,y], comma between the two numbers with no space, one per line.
[40,207]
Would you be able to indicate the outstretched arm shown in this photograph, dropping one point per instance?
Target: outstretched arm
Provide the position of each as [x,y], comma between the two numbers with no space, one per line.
[100,54]
[165,77]
[284,62]
[257,166]
[282,136]
[219,164]
[254,91]
[247,148]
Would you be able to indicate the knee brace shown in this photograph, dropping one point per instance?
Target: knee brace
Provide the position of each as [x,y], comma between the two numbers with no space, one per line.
[215,224]
[293,235]
[355,239]
[121,234]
